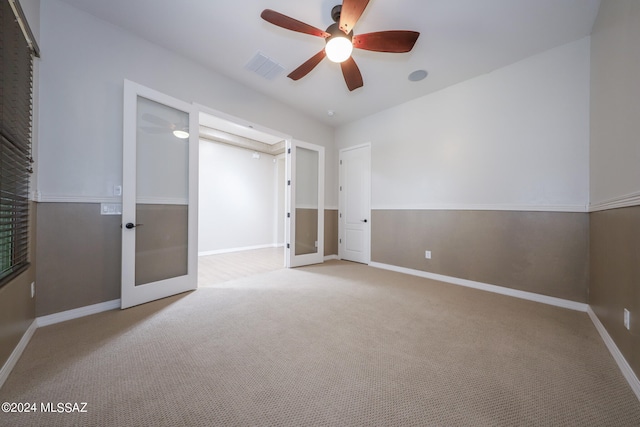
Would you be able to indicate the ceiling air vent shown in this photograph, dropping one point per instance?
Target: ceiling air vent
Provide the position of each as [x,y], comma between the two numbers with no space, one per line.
[264,66]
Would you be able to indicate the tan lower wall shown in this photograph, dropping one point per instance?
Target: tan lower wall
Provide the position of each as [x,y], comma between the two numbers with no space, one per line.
[80,253]
[17,308]
[306,231]
[161,245]
[330,232]
[541,252]
[615,276]
[306,219]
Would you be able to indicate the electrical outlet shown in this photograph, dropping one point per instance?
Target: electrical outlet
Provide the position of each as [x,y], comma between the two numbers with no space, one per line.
[627,319]
[427,254]
[33,289]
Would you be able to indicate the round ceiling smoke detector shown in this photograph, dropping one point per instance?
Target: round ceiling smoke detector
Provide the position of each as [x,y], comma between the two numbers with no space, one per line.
[418,75]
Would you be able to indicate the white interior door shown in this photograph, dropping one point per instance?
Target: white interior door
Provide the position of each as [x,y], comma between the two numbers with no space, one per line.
[305,210]
[159,196]
[354,222]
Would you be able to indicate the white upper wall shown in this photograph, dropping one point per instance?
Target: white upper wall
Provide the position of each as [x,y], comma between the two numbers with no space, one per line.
[516,138]
[615,105]
[83,66]
[239,197]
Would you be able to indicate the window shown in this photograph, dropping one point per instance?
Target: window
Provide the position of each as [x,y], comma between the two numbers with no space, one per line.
[16,58]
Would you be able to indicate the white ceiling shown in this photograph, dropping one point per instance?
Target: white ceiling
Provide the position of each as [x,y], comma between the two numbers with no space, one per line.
[459,39]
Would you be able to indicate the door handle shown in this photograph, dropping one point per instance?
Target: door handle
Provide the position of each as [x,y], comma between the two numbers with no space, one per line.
[363,220]
[131,225]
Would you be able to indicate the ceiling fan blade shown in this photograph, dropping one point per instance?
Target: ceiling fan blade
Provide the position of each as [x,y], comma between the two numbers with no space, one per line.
[351,73]
[350,13]
[386,41]
[288,23]
[309,65]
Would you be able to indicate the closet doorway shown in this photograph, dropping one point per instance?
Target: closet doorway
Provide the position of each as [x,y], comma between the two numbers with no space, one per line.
[241,199]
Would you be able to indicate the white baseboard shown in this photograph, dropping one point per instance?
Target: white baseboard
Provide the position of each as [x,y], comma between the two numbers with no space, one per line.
[624,366]
[77,312]
[486,207]
[330,257]
[245,248]
[559,302]
[17,352]
[623,201]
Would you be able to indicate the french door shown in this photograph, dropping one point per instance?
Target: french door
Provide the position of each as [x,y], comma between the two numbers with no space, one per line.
[305,196]
[159,196]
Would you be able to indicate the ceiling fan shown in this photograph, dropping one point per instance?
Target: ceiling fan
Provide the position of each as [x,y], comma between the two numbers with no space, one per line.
[340,40]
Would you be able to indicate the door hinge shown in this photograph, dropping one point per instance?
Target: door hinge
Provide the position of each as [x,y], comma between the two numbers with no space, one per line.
[288,150]
[340,241]
[341,188]
[288,214]
[340,215]
[341,162]
[288,246]
[289,182]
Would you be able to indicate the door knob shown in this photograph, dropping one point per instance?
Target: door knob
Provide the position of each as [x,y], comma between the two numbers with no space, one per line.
[363,220]
[131,225]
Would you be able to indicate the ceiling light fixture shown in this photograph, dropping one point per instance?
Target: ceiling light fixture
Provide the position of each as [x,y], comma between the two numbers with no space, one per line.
[180,134]
[339,45]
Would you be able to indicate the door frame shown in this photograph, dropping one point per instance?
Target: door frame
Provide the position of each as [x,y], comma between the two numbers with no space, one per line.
[199,108]
[131,294]
[342,202]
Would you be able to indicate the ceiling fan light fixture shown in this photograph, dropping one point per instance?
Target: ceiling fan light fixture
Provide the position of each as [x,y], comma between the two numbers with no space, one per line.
[338,48]
[180,134]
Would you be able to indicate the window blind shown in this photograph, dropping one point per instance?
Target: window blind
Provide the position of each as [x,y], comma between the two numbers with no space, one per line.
[16,62]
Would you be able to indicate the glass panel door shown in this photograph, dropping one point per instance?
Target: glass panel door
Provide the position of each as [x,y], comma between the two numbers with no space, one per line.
[306,199]
[159,187]
[162,192]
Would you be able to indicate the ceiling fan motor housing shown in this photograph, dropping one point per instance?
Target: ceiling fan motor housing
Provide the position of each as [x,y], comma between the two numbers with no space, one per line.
[335,31]
[335,13]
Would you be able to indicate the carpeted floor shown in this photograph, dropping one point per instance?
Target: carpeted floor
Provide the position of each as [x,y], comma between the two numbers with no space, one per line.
[338,344]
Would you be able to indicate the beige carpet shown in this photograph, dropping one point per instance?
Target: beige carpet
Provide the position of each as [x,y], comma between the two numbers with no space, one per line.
[338,344]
